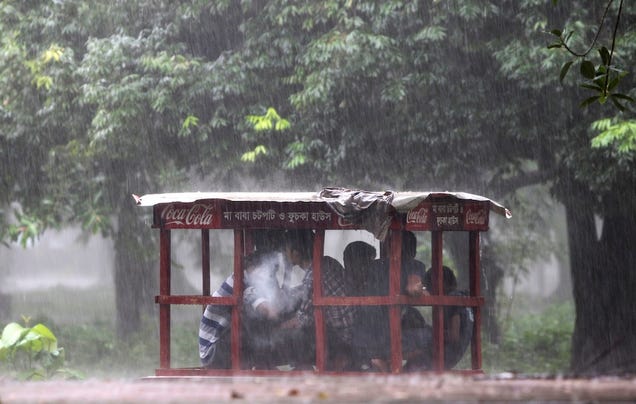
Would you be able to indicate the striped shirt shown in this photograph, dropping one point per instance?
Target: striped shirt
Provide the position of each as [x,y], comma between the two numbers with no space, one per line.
[214,323]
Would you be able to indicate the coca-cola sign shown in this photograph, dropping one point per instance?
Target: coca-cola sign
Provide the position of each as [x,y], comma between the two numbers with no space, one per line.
[448,215]
[196,215]
[418,216]
[476,216]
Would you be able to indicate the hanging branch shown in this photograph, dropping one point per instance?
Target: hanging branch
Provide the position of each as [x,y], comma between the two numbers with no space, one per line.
[598,79]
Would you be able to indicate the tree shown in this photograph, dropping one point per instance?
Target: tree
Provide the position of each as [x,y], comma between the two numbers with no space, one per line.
[378,94]
[98,104]
[592,182]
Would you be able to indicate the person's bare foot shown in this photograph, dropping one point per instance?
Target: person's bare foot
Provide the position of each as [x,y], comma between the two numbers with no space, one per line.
[379,365]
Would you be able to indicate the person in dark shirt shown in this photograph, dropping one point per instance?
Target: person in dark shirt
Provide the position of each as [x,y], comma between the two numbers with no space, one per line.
[295,336]
[458,320]
[371,330]
[357,258]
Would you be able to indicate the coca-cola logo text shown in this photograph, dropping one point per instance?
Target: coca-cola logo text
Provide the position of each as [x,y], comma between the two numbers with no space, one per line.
[476,216]
[195,215]
[419,216]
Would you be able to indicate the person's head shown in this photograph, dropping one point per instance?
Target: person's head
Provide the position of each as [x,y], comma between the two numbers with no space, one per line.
[450,280]
[409,244]
[267,240]
[251,261]
[358,254]
[299,246]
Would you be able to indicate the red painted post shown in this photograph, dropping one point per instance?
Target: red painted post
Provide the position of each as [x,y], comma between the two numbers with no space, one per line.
[205,262]
[317,254]
[475,290]
[437,280]
[235,332]
[164,290]
[395,324]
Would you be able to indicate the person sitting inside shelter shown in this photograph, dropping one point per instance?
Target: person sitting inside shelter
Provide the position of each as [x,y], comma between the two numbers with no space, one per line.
[260,303]
[458,320]
[371,331]
[357,258]
[300,346]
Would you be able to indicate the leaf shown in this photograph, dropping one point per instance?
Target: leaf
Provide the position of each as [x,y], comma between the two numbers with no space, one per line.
[554,45]
[565,69]
[190,120]
[556,32]
[587,69]
[12,333]
[613,83]
[605,55]
[617,104]
[593,87]
[250,156]
[44,332]
[588,101]
[623,97]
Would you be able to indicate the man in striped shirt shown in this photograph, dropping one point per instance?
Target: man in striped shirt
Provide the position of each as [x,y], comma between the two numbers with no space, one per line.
[259,297]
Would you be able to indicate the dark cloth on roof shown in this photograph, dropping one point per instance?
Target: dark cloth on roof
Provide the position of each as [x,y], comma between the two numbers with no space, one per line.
[371,210]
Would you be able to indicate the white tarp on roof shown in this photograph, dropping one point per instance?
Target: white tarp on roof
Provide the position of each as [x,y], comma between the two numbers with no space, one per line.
[371,210]
[400,201]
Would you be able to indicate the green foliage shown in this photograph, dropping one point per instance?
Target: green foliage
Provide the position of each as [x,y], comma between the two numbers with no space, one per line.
[534,343]
[620,136]
[270,121]
[98,352]
[603,78]
[33,353]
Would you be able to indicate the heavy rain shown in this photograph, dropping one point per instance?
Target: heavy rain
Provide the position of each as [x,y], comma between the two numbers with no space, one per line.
[528,104]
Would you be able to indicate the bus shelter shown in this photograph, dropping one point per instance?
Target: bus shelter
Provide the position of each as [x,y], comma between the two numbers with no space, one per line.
[384,214]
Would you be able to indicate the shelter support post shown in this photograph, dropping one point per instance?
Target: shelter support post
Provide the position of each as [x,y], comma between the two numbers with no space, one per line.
[235,333]
[437,281]
[317,253]
[164,290]
[395,325]
[475,290]
[205,262]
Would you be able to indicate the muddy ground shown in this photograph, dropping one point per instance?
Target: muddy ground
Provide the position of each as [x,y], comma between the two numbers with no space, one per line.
[324,389]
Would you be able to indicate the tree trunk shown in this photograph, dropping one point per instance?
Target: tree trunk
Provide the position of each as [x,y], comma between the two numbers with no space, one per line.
[134,274]
[492,274]
[603,282]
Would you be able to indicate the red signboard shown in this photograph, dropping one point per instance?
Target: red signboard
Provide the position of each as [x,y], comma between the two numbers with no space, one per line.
[448,215]
[218,214]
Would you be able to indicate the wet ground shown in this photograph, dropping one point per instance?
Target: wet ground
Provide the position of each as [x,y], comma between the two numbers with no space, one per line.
[324,389]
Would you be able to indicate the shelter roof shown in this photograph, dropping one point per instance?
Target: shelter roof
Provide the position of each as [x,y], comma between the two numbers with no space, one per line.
[400,201]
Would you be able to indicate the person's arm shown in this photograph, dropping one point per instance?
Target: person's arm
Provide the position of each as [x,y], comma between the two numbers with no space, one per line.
[304,315]
[262,306]
[453,328]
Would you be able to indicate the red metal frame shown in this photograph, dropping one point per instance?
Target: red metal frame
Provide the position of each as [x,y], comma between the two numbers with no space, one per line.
[436,217]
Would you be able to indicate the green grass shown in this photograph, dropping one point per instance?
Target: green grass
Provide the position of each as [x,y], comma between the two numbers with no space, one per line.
[537,343]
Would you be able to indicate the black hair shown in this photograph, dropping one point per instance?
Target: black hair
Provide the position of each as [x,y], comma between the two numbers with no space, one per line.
[358,250]
[450,280]
[301,241]
[409,244]
[267,240]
